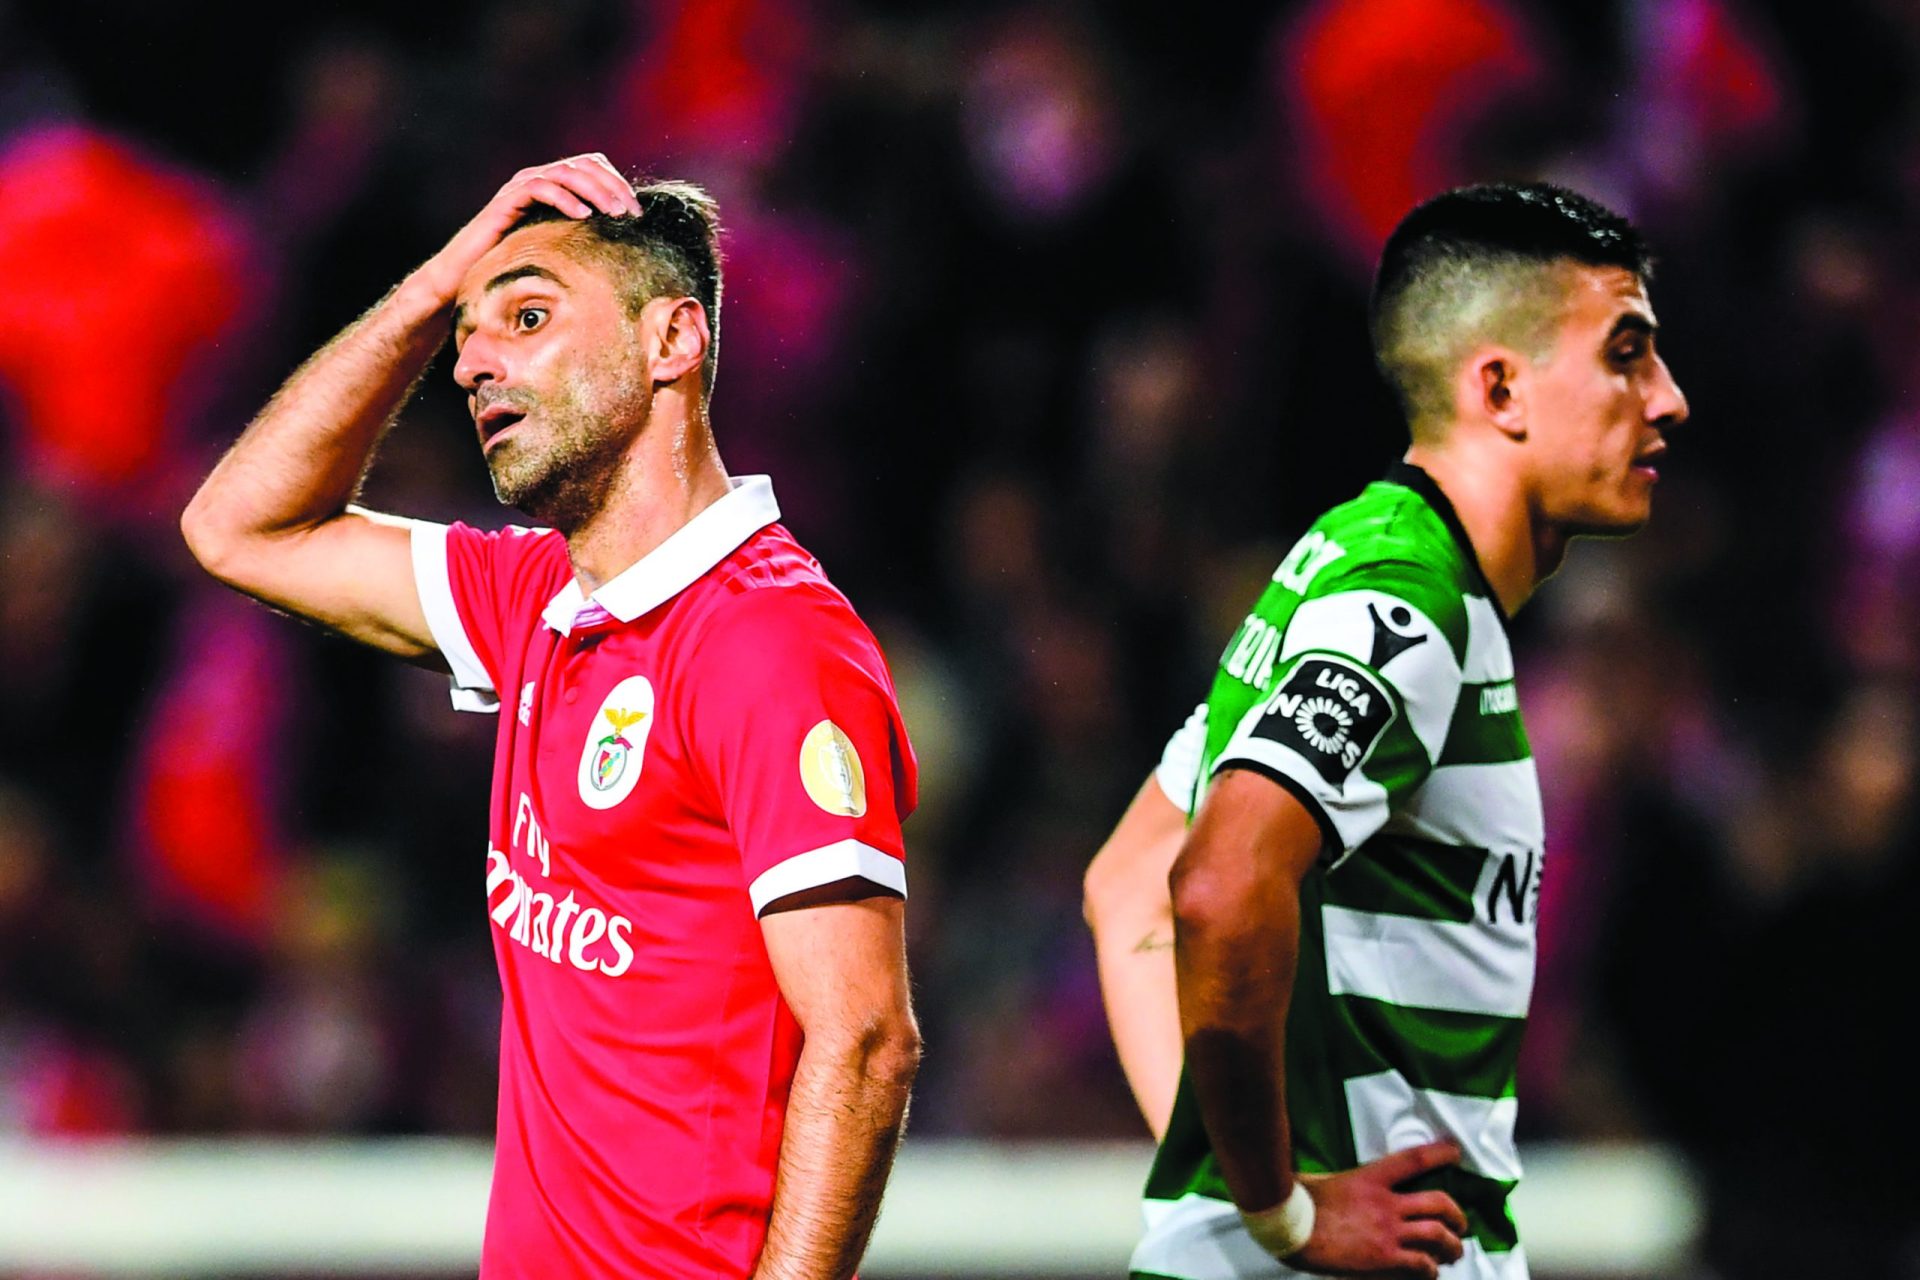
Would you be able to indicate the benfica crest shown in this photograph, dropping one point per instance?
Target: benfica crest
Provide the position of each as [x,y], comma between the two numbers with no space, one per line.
[616,742]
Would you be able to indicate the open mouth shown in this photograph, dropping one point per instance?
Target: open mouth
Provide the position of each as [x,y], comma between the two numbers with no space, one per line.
[494,422]
[1647,462]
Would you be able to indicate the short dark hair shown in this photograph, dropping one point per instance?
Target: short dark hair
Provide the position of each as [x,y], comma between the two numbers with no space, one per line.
[1478,263]
[672,248]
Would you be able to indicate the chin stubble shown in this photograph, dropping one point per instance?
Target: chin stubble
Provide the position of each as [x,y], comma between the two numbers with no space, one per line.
[564,480]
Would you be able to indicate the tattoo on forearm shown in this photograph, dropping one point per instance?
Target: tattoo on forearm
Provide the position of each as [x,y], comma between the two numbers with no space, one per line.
[1155,940]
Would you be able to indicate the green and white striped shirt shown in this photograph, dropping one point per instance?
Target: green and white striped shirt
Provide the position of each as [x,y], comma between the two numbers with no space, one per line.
[1374,681]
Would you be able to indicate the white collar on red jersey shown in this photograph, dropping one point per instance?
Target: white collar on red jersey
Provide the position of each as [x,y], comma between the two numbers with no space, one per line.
[677,563]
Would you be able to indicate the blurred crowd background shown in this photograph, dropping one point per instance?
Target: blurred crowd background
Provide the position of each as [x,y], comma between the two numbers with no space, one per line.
[1048,320]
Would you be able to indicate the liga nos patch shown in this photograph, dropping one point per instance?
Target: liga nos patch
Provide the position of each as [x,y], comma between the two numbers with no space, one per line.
[1329,711]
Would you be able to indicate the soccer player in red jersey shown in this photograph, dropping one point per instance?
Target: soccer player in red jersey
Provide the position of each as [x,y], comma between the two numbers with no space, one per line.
[695,870]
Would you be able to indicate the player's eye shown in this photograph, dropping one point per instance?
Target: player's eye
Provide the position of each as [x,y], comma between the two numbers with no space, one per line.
[1628,352]
[527,319]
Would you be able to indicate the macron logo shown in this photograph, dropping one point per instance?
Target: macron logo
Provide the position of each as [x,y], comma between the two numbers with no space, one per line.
[526,703]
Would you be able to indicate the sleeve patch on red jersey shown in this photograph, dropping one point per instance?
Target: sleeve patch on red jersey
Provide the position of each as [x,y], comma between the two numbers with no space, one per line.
[831,771]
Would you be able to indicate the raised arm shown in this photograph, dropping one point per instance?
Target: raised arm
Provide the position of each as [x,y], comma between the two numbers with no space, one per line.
[1131,915]
[1236,908]
[842,967]
[275,519]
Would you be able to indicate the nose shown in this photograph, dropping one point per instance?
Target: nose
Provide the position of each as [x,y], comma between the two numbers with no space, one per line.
[1667,406]
[480,360]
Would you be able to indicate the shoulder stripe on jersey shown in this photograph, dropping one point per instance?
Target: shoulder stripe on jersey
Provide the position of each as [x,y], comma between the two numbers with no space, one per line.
[1425,674]
[472,687]
[1432,589]
[1429,964]
[838,861]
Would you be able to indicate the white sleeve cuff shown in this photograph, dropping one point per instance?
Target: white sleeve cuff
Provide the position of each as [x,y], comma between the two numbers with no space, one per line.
[832,862]
[1179,769]
[472,687]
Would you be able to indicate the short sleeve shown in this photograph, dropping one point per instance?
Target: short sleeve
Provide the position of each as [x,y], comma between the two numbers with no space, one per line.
[1358,708]
[1179,770]
[795,723]
[473,586]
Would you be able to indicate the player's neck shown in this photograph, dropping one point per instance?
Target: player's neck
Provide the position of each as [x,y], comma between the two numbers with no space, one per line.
[672,474]
[1494,511]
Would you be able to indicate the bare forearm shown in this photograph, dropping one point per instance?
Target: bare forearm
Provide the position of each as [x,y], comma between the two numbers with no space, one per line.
[1235,986]
[301,460]
[1236,910]
[844,1118]
[1134,957]
[1131,915]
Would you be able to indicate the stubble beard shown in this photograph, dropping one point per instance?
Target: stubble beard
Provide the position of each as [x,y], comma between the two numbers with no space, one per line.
[564,476]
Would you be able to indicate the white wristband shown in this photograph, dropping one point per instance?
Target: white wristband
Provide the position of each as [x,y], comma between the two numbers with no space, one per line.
[1286,1227]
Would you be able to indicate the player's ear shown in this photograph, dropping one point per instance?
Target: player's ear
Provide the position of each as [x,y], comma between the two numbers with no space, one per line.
[678,338]
[1492,388]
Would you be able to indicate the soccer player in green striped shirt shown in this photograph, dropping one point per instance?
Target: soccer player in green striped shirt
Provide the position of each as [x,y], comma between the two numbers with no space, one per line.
[1334,955]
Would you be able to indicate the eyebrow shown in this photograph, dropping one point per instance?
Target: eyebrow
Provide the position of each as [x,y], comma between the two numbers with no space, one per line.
[502,280]
[1632,322]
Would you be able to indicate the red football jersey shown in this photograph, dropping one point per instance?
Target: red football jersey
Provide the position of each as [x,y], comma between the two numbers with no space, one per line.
[712,730]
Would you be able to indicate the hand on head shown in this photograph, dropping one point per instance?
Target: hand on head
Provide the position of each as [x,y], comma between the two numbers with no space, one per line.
[579,187]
